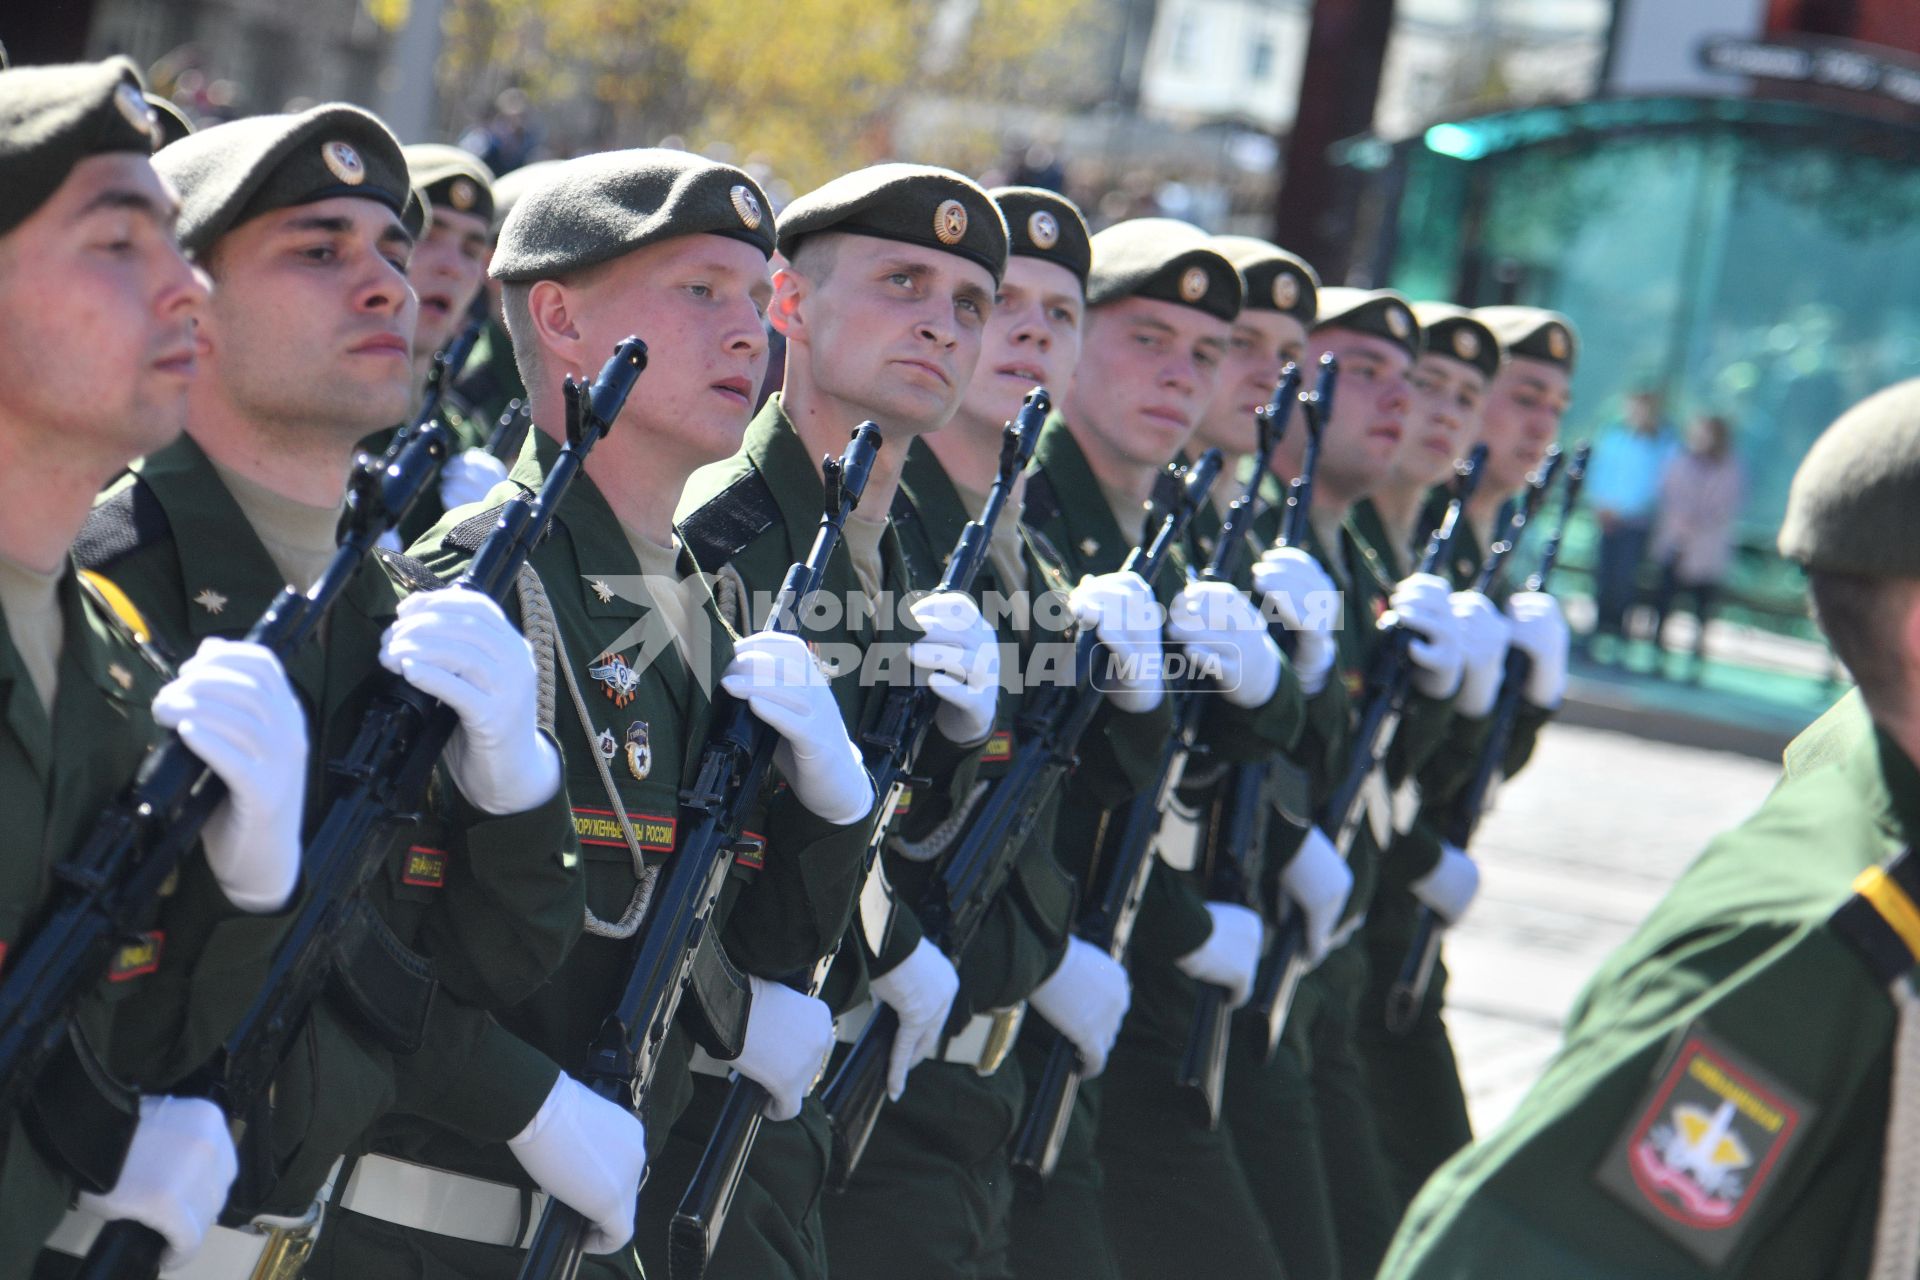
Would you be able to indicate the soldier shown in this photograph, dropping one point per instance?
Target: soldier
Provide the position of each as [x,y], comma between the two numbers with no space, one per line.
[1733,1094]
[305,347]
[491,382]
[887,284]
[97,309]
[680,244]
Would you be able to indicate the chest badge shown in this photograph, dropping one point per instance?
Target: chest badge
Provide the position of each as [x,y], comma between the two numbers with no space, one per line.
[607,745]
[601,591]
[1089,546]
[639,751]
[212,601]
[621,681]
[121,676]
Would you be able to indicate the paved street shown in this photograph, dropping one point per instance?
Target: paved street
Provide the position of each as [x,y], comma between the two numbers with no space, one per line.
[1578,849]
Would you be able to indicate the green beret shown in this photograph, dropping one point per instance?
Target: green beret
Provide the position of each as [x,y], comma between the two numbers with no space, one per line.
[1854,506]
[52,118]
[417,217]
[452,178]
[1045,224]
[1534,333]
[234,172]
[1274,279]
[598,207]
[913,203]
[173,122]
[1164,259]
[511,185]
[1447,330]
[1380,312]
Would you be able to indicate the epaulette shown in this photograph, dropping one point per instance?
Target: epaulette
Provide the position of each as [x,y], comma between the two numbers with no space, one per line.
[1040,503]
[130,519]
[406,571]
[126,619]
[729,521]
[471,532]
[1881,920]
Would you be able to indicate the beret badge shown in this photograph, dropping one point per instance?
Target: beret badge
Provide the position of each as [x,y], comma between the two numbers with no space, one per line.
[1286,290]
[1043,229]
[1465,344]
[134,109]
[950,222]
[462,194]
[343,162]
[1399,321]
[1557,342]
[745,205]
[1193,285]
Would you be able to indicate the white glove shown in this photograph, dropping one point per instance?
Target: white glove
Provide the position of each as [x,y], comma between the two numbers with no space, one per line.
[920,989]
[456,645]
[589,1154]
[1484,633]
[1540,632]
[1292,584]
[1319,881]
[232,706]
[1229,955]
[776,676]
[1218,626]
[1085,999]
[1122,611]
[469,476]
[789,1035]
[1450,887]
[961,655]
[1420,603]
[176,1174]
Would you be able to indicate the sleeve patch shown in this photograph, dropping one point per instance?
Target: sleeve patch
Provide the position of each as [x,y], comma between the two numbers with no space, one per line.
[137,957]
[426,867]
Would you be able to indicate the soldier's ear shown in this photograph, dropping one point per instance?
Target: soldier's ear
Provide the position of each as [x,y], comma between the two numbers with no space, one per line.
[550,305]
[790,289]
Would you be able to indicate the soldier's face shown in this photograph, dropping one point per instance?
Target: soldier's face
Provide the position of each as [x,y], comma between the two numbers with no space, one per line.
[893,330]
[447,270]
[1031,340]
[312,322]
[1261,344]
[1370,407]
[97,309]
[1448,396]
[1522,419]
[1149,369]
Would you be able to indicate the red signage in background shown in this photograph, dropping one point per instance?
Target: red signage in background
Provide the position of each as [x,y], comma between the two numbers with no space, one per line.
[1894,24]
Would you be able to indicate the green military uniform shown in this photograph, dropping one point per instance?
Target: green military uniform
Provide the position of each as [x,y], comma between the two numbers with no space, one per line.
[492,381]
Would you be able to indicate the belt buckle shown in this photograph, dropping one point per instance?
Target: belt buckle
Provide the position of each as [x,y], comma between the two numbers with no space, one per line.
[287,1248]
[1000,1038]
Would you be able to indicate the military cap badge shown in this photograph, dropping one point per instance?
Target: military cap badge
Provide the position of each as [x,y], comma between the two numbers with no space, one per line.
[344,162]
[1557,342]
[1286,290]
[1465,344]
[1193,285]
[1043,229]
[950,222]
[746,206]
[1399,322]
[462,194]
[134,109]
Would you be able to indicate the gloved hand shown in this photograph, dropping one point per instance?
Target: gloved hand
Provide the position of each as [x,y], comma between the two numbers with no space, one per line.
[1294,586]
[1219,627]
[469,476]
[1484,634]
[232,706]
[589,1154]
[1318,880]
[1420,603]
[176,1174]
[1450,887]
[455,645]
[1229,955]
[920,989]
[1085,999]
[1122,611]
[789,1035]
[1540,632]
[776,676]
[961,655]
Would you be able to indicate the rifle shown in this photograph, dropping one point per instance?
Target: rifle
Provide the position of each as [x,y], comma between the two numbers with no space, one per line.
[1127,851]
[447,365]
[854,1097]
[1391,680]
[678,948]
[383,778]
[1409,990]
[508,433]
[1239,805]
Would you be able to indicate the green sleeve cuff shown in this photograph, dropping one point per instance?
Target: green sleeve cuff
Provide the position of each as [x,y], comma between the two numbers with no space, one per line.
[473,1075]
[1173,916]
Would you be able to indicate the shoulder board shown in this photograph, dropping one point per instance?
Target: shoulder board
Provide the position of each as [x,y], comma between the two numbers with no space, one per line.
[730,521]
[471,532]
[1040,504]
[130,519]
[406,571]
[126,619]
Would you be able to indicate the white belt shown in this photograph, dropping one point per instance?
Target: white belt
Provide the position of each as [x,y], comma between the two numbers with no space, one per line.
[966,1047]
[705,1064]
[227,1253]
[423,1198]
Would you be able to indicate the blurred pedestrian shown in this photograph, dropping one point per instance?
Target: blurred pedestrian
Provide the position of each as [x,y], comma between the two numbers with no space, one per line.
[1623,484]
[1700,494]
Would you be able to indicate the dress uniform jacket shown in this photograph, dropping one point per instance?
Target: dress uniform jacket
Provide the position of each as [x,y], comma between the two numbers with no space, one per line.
[493,900]
[1745,1002]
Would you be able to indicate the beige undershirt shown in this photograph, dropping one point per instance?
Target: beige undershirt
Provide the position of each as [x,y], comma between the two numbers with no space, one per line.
[1004,549]
[862,538]
[298,538]
[672,604]
[30,604]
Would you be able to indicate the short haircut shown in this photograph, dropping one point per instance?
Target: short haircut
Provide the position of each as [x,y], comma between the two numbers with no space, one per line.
[816,255]
[517,312]
[1862,618]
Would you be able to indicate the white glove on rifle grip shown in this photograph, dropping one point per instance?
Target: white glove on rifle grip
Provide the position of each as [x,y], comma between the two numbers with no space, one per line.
[456,645]
[776,676]
[1540,632]
[589,1154]
[1085,999]
[789,1035]
[961,655]
[1484,633]
[1230,954]
[1421,604]
[920,989]
[1319,882]
[1450,888]
[176,1175]
[469,476]
[1218,625]
[231,704]
[1293,586]
[1122,611]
